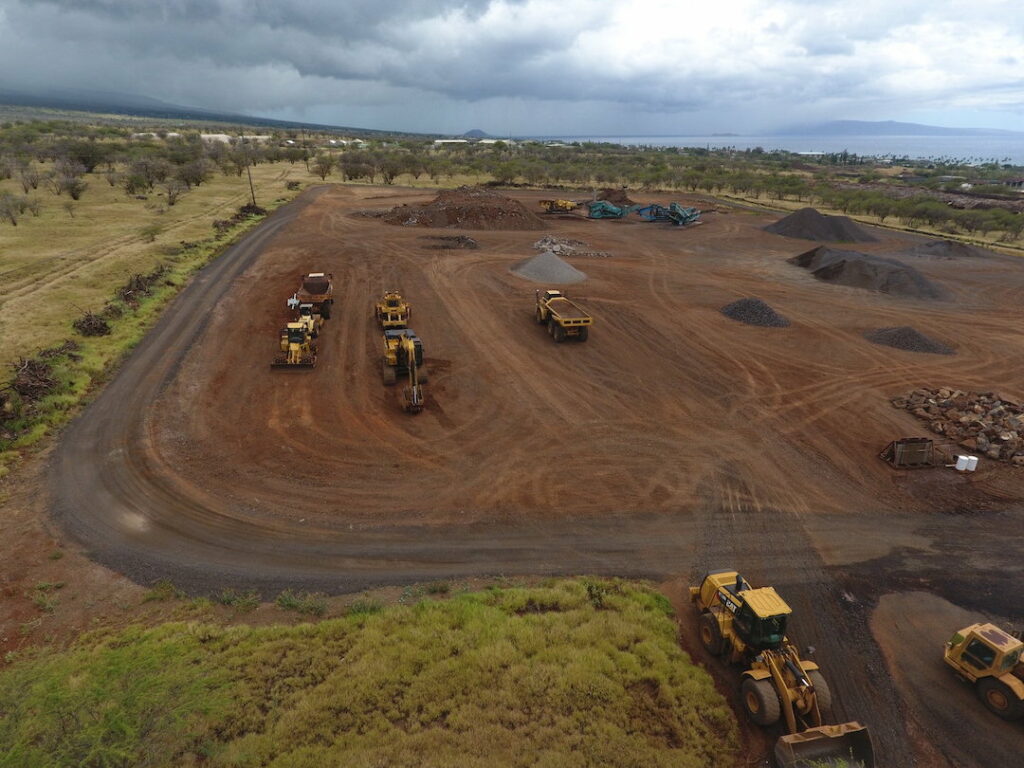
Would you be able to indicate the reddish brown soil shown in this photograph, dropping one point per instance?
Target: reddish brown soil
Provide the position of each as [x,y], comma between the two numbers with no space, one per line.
[465,208]
[673,441]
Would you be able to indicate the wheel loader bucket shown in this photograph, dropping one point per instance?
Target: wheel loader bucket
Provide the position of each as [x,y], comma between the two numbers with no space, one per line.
[827,746]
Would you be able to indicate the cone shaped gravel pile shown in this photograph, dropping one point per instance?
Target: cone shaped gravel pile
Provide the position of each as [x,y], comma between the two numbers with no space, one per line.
[466,208]
[873,273]
[908,339]
[549,269]
[754,312]
[808,224]
[948,249]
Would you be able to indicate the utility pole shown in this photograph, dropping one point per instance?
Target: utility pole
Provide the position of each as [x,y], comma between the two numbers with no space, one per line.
[252,190]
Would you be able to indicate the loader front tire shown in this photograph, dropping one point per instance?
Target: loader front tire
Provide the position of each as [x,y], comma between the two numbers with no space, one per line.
[559,334]
[760,701]
[584,332]
[1000,700]
[540,318]
[821,692]
[711,634]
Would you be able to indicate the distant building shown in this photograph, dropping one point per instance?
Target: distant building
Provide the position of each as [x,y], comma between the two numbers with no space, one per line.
[1015,183]
[224,138]
[450,141]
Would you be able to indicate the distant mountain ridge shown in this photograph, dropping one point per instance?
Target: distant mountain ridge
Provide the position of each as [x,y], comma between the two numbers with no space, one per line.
[886,128]
[144,106]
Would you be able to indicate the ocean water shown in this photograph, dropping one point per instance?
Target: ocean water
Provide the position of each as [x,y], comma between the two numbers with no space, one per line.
[972,149]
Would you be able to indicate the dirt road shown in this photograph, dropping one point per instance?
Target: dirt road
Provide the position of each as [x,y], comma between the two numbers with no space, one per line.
[673,441]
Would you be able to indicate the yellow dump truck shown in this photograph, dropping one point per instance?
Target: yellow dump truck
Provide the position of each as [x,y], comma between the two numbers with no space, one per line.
[564,318]
[991,659]
[316,289]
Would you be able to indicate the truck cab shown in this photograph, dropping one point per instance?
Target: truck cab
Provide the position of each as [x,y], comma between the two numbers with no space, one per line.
[990,658]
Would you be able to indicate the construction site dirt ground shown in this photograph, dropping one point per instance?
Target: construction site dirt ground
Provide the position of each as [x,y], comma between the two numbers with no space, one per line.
[675,440]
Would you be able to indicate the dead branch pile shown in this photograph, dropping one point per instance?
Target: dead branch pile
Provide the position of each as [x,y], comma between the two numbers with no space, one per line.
[139,286]
[33,378]
[91,324]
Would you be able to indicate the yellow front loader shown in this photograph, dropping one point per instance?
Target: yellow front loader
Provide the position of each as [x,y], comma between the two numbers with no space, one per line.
[747,626]
[991,659]
[296,348]
[558,206]
[392,311]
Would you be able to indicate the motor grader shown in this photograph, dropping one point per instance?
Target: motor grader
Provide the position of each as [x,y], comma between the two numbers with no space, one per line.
[296,348]
[392,311]
[403,356]
[747,626]
[991,659]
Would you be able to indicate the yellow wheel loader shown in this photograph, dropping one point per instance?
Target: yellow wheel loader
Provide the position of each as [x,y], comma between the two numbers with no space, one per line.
[310,319]
[297,349]
[990,658]
[392,311]
[403,356]
[747,626]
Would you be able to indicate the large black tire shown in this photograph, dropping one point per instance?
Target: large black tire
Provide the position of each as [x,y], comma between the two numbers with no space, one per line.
[711,634]
[325,310]
[821,692]
[760,701]
[540,317]
[551,328]
[584,332]
[1000,699]
[559,334]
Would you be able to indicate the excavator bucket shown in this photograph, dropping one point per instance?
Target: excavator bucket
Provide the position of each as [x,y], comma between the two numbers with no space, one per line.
[827,746]
[412,399]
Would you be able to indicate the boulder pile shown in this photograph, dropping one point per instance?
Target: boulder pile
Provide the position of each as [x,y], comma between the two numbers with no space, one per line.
[982,422]
[566,246]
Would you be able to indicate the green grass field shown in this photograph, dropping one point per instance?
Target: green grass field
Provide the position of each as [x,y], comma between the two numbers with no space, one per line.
[573,673]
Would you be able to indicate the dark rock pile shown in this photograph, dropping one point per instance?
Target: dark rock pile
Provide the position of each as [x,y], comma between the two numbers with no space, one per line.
[978,421]
[809,224]
[873,273]
[754,312]
[909,339]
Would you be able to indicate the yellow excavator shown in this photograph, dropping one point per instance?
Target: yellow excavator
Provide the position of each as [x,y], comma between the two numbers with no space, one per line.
[403,356]
[558,206]
[991,659]
[747,626]
[297,349]
[392,311]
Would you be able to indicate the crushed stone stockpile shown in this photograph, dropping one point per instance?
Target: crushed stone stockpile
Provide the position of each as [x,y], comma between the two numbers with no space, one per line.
[978,421]
[548,268]
[565,246]
[947,249]
[873,273]
[466,208]
[909,339]
[615,196]
[754,312]
[451,242]
[809,224]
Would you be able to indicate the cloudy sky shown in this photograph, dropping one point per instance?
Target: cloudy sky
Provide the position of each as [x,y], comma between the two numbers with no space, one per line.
[541,67]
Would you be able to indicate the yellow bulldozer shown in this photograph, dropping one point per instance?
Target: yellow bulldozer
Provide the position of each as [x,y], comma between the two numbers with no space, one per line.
[296,348]
[392,311]
[558,206]
[403,356]
[991,659]
[747,626]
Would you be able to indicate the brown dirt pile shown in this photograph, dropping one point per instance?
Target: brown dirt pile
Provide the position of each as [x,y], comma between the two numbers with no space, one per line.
[808,224]
[466,208]
[978,421]
[873,273]
[615,196]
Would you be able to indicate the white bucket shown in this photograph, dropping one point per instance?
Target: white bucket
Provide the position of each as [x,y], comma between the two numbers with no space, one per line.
[962,462]
[972,463]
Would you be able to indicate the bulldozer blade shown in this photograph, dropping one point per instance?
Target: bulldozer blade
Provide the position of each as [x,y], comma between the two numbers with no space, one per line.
[845,746]
[306,363]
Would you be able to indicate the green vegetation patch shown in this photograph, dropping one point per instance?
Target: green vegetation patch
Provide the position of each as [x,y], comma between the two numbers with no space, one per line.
[545,676]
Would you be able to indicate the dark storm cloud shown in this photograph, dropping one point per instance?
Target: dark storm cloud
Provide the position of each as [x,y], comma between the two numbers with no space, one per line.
[773,55]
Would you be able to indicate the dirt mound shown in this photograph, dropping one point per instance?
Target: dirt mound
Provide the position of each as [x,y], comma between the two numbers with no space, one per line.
[466,208]
[873,273]
[909,339]
[808,224]
[754,312]
[616,196]
[547,268]
[947,249]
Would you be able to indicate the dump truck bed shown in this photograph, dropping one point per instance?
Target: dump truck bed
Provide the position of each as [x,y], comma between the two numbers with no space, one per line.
[315,287]
[568,312]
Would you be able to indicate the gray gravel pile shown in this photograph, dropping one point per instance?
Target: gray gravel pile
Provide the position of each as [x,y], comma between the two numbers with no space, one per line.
[754,312]
[549,269]
[947,249]
[809,224]
[873,273]
[909,339]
